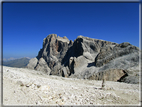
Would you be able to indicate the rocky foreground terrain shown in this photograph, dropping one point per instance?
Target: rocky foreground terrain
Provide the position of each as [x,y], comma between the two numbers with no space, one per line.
[22,86]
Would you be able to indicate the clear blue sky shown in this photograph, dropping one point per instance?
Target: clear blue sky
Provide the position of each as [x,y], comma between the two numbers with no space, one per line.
[25,25]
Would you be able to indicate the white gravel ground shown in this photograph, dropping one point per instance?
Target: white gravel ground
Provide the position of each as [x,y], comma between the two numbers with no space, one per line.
[22,86]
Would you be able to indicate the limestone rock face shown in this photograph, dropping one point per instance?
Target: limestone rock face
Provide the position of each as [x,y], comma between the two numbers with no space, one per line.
[88,58]
[50,56]
[42,66]
[109,53]
[32,63]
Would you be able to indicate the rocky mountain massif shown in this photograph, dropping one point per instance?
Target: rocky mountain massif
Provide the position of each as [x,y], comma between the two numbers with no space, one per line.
[88,58]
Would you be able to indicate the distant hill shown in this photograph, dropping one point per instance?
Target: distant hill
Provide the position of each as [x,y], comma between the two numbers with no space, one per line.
[19,63]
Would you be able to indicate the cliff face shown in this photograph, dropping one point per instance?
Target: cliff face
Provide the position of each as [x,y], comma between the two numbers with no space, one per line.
[87,58]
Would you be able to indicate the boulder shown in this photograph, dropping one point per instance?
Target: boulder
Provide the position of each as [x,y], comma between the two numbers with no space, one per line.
[42,66]
[65,72]
[109,75]
[32,63]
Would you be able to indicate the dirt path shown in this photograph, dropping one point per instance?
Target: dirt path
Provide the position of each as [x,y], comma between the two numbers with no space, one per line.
[29,87]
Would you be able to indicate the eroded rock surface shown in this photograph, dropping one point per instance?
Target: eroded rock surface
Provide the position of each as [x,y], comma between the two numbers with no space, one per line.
[88,58]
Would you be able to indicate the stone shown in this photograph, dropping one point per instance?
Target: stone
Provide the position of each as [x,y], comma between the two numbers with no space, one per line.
[87,58]
[32,63]
[103,83]
[20,83]
[50,56]
[65,72]
[108,53]
[110,75]
[87,55]
[38,86]
[42,66]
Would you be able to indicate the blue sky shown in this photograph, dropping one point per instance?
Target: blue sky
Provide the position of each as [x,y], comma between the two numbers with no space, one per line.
[25,25]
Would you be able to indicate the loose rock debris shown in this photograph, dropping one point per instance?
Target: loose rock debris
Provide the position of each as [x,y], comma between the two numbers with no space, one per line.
[27,87]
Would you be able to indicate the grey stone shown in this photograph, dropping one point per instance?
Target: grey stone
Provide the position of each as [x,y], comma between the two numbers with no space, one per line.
[50,56]
[20,83]
[42,66]
[32,63]
[87,55]
[108,53]
[65,72]
[109,75]
[87,58]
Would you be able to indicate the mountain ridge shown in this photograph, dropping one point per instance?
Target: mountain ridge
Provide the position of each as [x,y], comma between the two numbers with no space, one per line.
[87,58]
[20,62]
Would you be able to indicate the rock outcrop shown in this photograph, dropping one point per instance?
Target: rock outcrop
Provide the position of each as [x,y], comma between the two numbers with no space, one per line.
[88,58]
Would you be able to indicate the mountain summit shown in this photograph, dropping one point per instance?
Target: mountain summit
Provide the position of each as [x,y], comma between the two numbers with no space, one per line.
[88,58]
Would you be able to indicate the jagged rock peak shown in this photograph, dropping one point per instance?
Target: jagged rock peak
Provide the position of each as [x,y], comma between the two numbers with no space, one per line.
[53,37]
[50,36]
[87,58]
